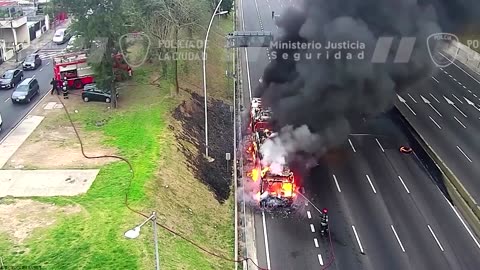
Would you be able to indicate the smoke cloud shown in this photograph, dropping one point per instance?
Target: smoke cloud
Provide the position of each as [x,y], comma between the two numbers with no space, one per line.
[315,100]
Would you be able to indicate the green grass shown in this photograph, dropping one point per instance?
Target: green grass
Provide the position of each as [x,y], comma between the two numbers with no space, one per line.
[93,239]
[218,60]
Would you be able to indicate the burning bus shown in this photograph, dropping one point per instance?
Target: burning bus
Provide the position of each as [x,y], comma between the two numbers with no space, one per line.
[277,185]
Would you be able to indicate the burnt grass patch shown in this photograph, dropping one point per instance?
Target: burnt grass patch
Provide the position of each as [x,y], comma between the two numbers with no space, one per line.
[190,113]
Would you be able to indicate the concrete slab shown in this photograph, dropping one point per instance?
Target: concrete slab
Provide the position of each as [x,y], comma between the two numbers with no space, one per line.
[49,106]
[45,183]
[11,144]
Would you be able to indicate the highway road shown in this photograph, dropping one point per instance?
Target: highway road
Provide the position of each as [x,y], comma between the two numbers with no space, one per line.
[445,109]
[382,202]
[13,113]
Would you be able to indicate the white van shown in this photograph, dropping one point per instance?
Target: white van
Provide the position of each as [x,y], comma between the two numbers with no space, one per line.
[61,36]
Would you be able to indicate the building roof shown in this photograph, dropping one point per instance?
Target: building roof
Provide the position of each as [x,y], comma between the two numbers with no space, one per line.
[8,3]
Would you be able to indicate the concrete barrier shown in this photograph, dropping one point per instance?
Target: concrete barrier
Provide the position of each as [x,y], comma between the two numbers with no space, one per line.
[458,193]
[463,54]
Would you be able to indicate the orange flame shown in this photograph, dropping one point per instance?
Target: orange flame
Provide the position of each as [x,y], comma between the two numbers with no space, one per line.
[255,175]
[265,170]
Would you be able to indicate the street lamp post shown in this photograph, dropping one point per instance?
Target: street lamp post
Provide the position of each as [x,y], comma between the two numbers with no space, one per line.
[205,75]
[135,232]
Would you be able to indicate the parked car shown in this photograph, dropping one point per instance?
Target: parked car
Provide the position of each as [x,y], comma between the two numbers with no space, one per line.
[75,43]
[61,36]
[1,122]
[11,78]
[92,93]
[32,62]
[25,91]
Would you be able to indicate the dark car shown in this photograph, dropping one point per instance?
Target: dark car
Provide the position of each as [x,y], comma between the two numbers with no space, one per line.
[92,93]
[25,91]
[33,61]
[11,78]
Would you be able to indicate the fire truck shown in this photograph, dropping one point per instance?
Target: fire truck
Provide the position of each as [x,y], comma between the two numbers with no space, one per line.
[277,186]
[75,68]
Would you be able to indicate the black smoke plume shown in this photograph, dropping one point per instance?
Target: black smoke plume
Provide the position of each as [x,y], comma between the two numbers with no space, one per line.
[315,100]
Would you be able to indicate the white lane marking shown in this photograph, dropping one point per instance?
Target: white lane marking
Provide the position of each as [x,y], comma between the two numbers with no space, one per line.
[302,190]
[306,203]
[248,75]
[312,228]
[378,142]
[464,87]
[265,237]
[6,100]
[459,110]
[435,109]
[457,98]
[454,79]
[434,79]
[316,242]
[358,240]
[460,149]
[41,69]
[371,184]
[412,98]
[403,183]
[436,239]
[475,95]
[33,76]
[434,97]
[320,260]
[435,122]
[462,70]
[449,75]
[470,91]
[48,63]
[463,222]
[409,108]
[351,144]
[309,214]
[459,122]
[398,238]
[459,83]
[336,183]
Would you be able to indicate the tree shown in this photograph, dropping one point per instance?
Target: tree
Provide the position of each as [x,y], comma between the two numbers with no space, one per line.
[226,5]
[163,20]
[102,21]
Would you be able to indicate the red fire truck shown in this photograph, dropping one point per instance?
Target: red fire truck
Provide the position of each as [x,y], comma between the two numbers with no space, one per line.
[75,68]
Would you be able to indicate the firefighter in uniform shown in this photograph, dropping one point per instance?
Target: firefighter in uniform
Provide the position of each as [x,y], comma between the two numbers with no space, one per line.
[54,84]
[64,88]
[324,222]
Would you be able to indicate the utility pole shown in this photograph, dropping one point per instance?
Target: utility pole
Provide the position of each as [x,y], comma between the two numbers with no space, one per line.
[14,33]
[155,239]
[54,17]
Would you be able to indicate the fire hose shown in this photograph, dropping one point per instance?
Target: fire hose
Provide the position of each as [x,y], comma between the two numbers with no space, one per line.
[332,257]
[126,201]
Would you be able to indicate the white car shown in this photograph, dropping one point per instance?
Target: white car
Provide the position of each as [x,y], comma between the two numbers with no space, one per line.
[61,36]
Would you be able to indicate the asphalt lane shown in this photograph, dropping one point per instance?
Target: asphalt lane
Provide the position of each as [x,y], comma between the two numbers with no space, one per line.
[448,122]
[386,221]
[282,242]
[13,113]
